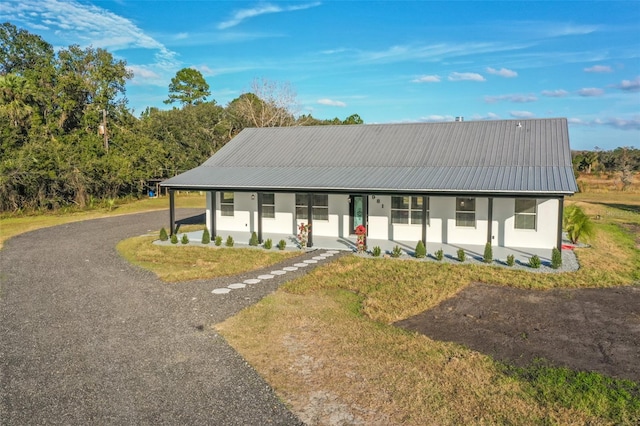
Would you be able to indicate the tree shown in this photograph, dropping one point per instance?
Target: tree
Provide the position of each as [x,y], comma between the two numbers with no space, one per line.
[353,119]
[188,87]
[269,104]
[577,224]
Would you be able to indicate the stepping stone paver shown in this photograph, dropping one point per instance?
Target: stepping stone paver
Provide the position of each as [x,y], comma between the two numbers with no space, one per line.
[300,265]
[309,261]
[291,268]
[221,291]
[278,272]
[321,257]
[237,285]
[251,281]
[265,276]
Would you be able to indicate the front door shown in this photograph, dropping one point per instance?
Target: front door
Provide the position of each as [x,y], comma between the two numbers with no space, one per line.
[356,212]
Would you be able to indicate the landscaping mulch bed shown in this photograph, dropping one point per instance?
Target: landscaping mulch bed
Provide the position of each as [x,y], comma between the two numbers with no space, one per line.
[582,329]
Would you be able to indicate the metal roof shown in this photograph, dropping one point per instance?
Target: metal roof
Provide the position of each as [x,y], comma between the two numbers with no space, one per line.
[505,156]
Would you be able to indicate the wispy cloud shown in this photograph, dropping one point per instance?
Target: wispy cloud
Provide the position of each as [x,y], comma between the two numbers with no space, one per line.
[427,79]
[590,92]
[436,118]
[614,122]
[516,98]
[599,69]
[331,102]
[465,76]
[502,72]
[559,93]
[87,24]
[244,14]
[630,85]
[562,29]
[521,114]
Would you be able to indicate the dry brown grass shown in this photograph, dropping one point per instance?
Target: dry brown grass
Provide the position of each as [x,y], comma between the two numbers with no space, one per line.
[326,344]
[607,183]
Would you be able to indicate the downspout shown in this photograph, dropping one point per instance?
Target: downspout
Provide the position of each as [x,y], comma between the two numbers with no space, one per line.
[310,219]
[260,217]
[172,213]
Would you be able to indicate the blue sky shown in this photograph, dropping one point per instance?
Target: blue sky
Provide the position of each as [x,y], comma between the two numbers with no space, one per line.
[390,61]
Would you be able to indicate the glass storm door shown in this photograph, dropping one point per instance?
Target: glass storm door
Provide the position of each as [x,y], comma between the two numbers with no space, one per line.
[356,213]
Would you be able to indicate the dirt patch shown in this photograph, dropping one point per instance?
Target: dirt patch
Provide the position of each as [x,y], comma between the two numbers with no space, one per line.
[582,329]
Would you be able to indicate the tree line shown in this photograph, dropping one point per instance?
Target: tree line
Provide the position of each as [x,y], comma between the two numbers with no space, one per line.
[67,136]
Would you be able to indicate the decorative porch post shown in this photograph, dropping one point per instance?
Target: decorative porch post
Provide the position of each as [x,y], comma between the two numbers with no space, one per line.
[172,213]
[260,217]
[365,217]
[425,200]
[212,216]
[560,217]
[490,220]
[310,219]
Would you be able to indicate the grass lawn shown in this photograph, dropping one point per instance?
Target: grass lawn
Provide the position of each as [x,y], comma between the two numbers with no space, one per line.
[326,344]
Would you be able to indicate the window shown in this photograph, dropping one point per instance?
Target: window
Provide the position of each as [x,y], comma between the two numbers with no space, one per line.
[466,212]
[226,204]
[408,210]
[269,205]
[525,213]
[320,207]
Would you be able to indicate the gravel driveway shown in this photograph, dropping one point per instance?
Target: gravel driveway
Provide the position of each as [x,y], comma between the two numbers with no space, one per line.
[85,338]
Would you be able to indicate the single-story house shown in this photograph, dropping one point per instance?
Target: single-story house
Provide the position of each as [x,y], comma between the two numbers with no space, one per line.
[462,182]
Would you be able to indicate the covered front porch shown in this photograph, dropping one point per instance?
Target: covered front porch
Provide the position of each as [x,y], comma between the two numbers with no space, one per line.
[521,255]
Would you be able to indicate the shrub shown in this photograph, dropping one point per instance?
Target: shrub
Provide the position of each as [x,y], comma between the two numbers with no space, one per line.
[577,224]
[377,251]
[206,237]
[254,239]
[534,261]
[461,255]
[439,254]
[218,240]
[174,239]
[282,244]
[511,260]
[185,239]
[163,235]
[229,242]
[268,244]
[396,252]
[488,253]
[421,250]
[556,258]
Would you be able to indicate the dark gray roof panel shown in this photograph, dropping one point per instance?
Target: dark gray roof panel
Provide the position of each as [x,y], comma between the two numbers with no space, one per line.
[488,156]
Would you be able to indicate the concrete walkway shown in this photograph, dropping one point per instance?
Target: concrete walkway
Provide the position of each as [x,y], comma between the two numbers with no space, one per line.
[86,338]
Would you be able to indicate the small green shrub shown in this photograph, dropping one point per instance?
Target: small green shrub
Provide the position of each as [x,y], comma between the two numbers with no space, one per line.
[534,261]
[268,244]
[163,235]
[229,242]
[556,258]
[461,255]
[511,260]
[174,239]
[421,250]
[218,240]
[377,251]
[253,241]
[282,244]
[488,253]
[185,239]
[396,252]
[439,254]
[206,237]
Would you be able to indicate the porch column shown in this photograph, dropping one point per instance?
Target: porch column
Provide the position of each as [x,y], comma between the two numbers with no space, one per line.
[490,220]
[425,200]
[172,212]
[260,217]
[310,219]
[212,216]
[560,217]
[365,218]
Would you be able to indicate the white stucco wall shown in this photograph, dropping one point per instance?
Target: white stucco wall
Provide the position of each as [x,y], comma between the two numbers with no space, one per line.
[441,228]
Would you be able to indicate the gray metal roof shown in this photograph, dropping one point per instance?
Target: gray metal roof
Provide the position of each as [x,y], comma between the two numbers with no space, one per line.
[506,156]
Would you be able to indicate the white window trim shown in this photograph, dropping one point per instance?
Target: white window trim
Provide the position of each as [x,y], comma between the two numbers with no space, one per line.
[534,214]
[475,219]
[232,204]
[409,210]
